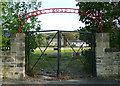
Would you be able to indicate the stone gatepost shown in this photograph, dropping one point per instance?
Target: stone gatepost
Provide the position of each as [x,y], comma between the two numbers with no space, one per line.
[18,55]
[102,42]
[14,65]
[107,59]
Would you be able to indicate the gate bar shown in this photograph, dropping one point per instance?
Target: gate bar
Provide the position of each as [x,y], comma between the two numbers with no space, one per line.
[94,73]
[59,54]
[60,31]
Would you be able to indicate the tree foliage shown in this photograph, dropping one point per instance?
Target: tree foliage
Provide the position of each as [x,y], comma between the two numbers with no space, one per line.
[10,13]
[71,35]
[110,12]
[10,20]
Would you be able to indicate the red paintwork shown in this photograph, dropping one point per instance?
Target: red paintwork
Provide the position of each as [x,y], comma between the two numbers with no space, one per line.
[26,16]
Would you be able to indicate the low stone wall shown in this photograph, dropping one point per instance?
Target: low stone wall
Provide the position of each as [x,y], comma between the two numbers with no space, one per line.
[107,61]
[6,62]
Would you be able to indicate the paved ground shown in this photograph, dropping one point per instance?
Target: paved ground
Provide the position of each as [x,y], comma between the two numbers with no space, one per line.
[83,82]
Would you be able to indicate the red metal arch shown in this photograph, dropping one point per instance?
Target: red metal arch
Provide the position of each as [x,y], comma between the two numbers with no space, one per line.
[97,17]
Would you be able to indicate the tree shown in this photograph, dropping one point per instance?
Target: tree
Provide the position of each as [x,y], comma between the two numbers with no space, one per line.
[10,21]
[115,38]
[71,35]
[40,39]
[110,12]
[10,16]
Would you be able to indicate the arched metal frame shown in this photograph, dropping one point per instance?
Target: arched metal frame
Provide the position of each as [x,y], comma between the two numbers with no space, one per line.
[26,16]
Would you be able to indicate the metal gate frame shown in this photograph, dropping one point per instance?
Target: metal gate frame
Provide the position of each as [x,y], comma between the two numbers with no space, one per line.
[59,34]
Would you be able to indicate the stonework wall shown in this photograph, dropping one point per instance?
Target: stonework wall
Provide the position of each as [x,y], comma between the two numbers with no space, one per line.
[5,59]
[107,62]
[14,60]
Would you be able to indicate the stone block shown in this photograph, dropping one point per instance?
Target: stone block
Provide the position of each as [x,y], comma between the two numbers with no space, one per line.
[109,69]
[108,55]
[14,48]
[20,58]
[110,50]
[102,37]
[9,64]
[107,61]
[9,60]
[1,70]
[20,65]
[116,55]
[22,40]
[97,57]
[20,35]
[99,61]
[22,48]
[99,52]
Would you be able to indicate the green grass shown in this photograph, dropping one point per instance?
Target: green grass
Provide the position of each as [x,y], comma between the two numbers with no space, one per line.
[47,60]
[65,55]
[36,53]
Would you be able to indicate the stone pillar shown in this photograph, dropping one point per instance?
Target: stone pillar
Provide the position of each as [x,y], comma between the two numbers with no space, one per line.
[102,42]
[17,68]
[14,60]
[12,63]
[107,59]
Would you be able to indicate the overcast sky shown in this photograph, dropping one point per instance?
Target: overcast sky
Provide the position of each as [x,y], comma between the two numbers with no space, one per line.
[59,21]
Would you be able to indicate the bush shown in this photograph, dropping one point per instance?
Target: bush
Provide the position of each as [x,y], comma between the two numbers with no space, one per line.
[88,57]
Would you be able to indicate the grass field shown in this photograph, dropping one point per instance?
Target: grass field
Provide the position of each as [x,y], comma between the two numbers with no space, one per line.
[48,62]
